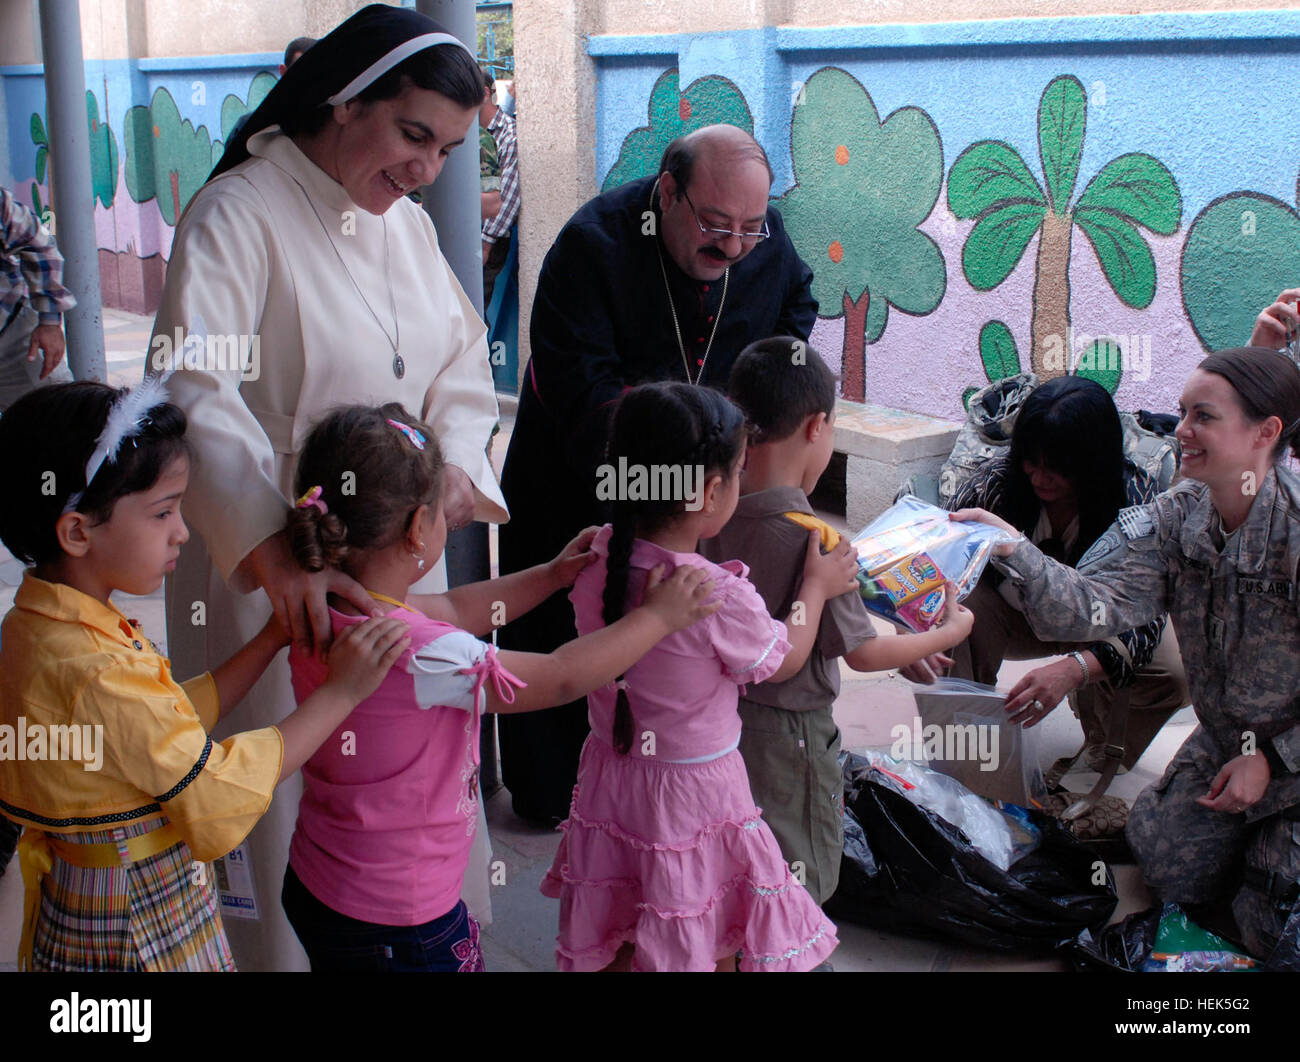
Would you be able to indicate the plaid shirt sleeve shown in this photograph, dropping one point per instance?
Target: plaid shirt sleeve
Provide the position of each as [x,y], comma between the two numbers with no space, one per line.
[502,128]
[31,265]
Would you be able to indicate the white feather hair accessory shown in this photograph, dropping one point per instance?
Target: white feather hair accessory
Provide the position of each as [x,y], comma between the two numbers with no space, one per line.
[126,418]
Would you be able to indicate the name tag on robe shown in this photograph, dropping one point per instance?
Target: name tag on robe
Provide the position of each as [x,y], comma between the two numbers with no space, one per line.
[1270,587]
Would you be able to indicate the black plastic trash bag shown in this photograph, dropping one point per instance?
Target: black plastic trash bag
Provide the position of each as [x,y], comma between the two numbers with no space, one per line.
[1122,947]
[906,869]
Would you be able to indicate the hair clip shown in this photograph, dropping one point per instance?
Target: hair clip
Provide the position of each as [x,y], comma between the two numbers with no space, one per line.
[416,439]
[312,497]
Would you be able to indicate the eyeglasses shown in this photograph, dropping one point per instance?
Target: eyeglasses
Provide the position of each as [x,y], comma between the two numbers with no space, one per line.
[722,234]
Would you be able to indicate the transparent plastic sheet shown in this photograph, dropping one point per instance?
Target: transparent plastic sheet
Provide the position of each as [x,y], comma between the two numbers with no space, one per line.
[910,550]
[907,869]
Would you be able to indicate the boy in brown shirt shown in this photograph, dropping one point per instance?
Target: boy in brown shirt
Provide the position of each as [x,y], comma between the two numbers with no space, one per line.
[789,739]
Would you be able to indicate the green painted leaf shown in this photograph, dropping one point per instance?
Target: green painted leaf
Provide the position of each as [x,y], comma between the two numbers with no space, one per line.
[1062,119]
[988,174]
[1124,255]
[1139,188]
[38,131]
[998,351]
[997,242]
[1100,361]
[103,155]
[1251,238]
[41,154]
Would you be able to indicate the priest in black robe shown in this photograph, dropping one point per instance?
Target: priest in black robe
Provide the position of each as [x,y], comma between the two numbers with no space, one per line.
[664,278]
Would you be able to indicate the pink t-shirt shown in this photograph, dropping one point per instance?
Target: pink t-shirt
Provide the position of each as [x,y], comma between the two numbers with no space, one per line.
[683,692]
[390,800]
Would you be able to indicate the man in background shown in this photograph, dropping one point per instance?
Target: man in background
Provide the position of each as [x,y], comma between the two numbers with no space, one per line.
[499,177]
[32,302]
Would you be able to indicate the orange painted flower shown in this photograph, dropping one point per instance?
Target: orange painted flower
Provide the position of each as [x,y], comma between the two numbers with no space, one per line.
[835,251]
[842,155]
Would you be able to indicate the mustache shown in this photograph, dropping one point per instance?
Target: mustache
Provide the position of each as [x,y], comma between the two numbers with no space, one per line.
[716,255]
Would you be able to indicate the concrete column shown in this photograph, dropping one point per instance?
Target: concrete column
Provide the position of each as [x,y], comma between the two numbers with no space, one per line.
[555,86]
[74,214]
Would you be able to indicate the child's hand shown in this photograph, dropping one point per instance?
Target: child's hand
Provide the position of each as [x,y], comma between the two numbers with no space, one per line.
[573,558]
[835,572]
[957,619]
[682,598]
[360,657]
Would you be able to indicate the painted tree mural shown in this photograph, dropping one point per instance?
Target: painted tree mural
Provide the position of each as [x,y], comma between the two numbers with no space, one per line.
[103,158]
[1240,252]
[103,155]
[233,108]
[862,186]
[673,113]
[990,183]
[166,156]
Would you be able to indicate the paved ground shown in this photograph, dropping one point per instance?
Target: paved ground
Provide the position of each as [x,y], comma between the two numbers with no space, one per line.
[522,934]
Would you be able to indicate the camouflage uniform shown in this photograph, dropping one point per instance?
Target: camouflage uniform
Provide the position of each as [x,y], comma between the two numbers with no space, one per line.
[1234,607]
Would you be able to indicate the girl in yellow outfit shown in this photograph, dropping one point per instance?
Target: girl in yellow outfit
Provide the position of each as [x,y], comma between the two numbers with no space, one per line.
[104,758]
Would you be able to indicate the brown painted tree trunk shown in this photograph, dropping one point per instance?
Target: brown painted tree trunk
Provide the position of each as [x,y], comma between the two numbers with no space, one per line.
[176,195]
[1049,338]
[854,364]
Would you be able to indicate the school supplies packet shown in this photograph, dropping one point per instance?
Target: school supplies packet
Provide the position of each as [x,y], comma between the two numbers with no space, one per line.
[910,550]
[961,729]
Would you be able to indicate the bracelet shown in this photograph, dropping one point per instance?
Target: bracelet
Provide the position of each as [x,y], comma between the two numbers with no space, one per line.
[1077,657]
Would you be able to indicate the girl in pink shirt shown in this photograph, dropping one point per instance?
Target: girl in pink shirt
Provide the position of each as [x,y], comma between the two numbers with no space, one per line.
[390,800]
[666,864]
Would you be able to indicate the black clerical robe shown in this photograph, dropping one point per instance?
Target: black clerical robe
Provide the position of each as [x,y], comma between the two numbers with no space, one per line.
[602,323]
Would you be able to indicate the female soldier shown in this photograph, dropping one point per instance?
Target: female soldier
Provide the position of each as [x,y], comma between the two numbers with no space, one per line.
[1220,553]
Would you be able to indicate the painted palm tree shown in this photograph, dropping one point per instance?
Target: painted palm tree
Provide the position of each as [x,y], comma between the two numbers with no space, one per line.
[990,183]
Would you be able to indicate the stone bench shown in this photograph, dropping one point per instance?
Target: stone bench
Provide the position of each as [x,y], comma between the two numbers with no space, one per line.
[882,447]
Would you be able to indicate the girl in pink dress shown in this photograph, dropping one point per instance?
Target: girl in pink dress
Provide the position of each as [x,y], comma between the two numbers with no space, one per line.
[666,863]
[390,800]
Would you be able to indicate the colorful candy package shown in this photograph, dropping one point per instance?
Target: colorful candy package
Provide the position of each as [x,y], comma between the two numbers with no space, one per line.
[907,554]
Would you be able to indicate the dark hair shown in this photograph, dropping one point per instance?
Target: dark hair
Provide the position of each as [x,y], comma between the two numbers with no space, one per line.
[679,159]
[47,436]
[447,69]
[488,80]
[1069,425]
[1267,385]
[779,382]
[296,47]
[372,479]
[676,425]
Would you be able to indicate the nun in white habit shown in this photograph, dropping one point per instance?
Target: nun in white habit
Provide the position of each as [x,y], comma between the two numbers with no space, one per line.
[317,282]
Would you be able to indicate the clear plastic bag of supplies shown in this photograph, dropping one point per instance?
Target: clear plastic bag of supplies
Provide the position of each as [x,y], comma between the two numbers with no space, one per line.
[1001,834]
[910,550]
[961,728]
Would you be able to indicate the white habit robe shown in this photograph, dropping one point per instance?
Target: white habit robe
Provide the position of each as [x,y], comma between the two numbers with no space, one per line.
[275,249]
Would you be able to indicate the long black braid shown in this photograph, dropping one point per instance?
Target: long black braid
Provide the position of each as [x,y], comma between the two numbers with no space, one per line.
[662,424]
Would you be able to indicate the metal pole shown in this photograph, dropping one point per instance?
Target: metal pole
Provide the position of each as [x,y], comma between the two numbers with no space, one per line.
[453,203]
[453,200]
[73,224]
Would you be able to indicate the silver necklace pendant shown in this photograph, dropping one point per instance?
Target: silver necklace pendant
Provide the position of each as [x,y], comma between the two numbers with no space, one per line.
[399,366]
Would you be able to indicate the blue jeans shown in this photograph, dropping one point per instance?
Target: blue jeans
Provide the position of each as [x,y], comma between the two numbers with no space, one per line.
[336,943]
